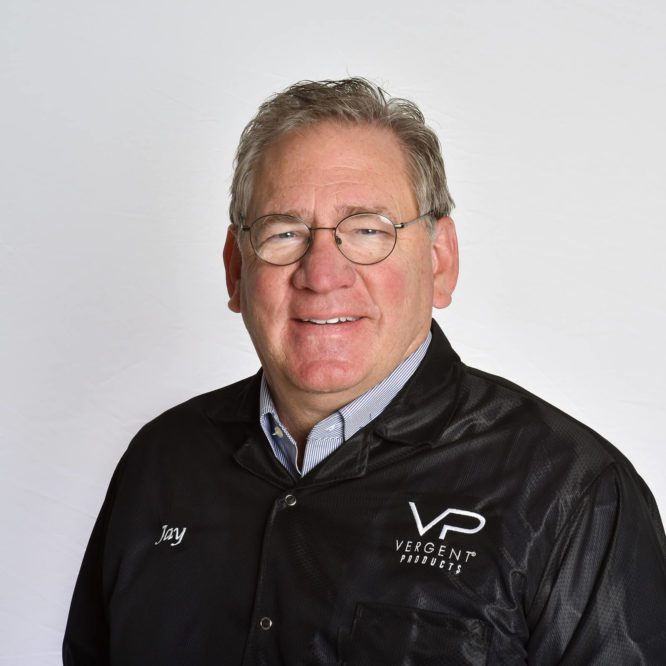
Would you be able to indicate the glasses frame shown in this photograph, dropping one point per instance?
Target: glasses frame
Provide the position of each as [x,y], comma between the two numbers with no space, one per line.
[338,240]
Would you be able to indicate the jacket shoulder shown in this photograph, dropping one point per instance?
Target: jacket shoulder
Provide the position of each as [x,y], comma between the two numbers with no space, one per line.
[202,417]
[535,430]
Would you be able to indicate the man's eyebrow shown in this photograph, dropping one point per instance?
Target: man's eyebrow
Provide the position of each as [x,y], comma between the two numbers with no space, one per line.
[345,210]
[342,211]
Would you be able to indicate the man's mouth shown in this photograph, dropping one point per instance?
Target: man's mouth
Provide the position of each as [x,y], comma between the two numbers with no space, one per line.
[332,320]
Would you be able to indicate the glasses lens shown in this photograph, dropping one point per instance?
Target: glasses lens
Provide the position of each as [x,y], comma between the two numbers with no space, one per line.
[279,239]
[366,238]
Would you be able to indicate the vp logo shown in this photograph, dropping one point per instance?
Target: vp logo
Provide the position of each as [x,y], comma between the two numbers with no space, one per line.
[481,521]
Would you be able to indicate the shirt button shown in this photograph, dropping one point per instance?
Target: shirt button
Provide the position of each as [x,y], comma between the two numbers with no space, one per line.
[265,623]
[289,500]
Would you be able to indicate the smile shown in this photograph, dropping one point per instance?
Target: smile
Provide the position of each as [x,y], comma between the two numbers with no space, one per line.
[334,320]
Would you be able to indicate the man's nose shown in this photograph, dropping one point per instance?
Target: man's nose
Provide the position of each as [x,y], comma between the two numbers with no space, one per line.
[324,268]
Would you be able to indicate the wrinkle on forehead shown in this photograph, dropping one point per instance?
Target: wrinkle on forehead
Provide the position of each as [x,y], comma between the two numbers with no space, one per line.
[306,173]
[345,206]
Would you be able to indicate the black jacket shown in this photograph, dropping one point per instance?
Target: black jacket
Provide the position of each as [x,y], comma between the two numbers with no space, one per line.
[470,523]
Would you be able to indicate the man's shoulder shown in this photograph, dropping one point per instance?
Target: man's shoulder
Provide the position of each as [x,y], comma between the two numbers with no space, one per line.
[529,428]
[202,416]
[510,418]
[513,407]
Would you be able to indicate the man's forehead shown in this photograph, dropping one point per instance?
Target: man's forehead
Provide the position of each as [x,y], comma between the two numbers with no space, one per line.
[303,201]
[353,168]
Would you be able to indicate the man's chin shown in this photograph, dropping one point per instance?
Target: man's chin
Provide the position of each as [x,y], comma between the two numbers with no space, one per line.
[331,376]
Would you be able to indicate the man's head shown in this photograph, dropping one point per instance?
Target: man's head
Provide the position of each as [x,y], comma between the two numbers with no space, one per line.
[349,101]
[321,152]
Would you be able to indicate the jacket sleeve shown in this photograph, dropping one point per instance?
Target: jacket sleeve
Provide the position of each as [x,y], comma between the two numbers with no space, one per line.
[602,596]
[86,641]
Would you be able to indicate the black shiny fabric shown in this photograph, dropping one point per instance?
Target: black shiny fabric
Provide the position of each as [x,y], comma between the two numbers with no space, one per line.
[470,523]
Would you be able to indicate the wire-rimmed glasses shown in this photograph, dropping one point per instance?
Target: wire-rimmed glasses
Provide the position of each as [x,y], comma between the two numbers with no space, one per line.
[363,238]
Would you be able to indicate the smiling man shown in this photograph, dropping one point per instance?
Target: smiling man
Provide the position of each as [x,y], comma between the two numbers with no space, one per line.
[344,307]
[366,498]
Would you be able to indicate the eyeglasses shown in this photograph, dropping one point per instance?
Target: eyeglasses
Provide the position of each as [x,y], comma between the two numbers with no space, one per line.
[363,238]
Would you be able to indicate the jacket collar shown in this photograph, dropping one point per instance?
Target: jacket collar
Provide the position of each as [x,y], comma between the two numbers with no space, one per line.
[417,416]
[421,411]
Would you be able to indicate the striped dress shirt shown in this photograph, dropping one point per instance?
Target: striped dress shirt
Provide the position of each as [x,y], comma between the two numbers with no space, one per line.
[331,432]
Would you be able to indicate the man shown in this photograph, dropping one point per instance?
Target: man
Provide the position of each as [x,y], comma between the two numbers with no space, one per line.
[366,498]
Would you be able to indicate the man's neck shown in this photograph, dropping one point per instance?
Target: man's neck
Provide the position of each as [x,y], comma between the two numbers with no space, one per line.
[301,411]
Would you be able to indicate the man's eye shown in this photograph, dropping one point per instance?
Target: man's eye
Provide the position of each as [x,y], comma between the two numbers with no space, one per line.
[282,236]
[370,231]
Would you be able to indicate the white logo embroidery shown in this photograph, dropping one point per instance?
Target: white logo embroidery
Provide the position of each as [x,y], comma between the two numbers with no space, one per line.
[174,534]
[447,526]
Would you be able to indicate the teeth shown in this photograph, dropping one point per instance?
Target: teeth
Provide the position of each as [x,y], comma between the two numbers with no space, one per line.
[334,320]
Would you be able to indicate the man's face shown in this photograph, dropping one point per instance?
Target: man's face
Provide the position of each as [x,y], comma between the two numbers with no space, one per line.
[321,175]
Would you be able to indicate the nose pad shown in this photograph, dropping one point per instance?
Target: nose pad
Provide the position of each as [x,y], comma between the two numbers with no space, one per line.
[338,240]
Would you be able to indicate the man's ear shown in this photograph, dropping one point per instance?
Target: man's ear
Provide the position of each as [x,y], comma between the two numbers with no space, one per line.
[232,269]
[444,262]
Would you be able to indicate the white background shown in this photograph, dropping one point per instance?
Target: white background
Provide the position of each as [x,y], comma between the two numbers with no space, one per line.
[118,126]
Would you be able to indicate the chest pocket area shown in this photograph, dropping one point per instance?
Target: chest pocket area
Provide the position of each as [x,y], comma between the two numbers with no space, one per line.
[401,636]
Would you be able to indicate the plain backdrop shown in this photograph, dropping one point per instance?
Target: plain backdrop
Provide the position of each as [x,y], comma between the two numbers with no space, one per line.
[118,125]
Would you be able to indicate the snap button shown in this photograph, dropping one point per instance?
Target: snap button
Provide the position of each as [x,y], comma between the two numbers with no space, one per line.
[265,623]
[289,500]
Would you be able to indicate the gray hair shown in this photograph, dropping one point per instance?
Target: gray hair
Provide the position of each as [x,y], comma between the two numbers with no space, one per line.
[353,100]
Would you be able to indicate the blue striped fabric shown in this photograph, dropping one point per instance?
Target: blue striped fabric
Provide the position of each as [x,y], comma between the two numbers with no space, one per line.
[329,434]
